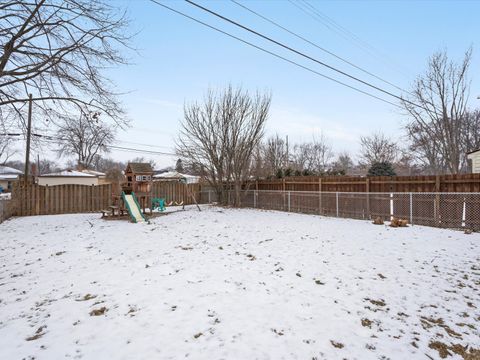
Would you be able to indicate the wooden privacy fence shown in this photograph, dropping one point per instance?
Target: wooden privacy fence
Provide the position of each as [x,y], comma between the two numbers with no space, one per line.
[6,209]
[176,191]
[434,183]
[33,199]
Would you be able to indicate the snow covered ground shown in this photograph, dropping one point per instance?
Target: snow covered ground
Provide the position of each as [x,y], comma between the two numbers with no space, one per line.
[235,284]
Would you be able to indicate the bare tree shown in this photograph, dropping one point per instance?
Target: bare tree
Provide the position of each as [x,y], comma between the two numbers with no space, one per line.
[313,157]
[6,148]
[470,133]
[377,148]
[274,154]
[343,164]
[57,50]
[220,135]
[47,166]
[84,138]
[437,125]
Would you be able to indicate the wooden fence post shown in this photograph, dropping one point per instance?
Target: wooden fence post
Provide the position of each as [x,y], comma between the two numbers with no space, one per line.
[320,210]
[367,190]
[436,206]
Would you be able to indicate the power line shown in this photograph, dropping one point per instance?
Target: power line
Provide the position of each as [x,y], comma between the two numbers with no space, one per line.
[318,16]
[299,52]
[316,45]
[51,138]
[274,54]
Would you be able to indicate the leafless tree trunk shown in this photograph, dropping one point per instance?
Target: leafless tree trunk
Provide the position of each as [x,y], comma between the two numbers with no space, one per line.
[220,135]
[343,164]
[377,148]
[436,128]
[85,138]
[274,154]
[6,148]
[57,50]
[314,157]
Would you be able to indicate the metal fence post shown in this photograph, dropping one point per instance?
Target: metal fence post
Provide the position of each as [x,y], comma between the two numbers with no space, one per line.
[336,197]
[289,201]
[411,209]
[391,206]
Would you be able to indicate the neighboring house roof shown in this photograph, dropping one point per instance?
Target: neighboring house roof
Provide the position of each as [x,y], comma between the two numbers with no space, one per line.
[68,173]
[9,170]
[473,151]
[94,173]
[175,175]
[140,167]
[8,176]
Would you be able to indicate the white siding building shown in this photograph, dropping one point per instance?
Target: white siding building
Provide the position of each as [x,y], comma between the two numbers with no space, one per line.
[70,177]
[475,157]
[8,176]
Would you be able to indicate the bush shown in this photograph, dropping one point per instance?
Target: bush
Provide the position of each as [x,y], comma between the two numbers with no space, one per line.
[381,169]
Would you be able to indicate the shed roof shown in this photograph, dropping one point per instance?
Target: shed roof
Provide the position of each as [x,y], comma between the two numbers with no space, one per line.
[473,151]
[140,167]
[68,173]
[175,175]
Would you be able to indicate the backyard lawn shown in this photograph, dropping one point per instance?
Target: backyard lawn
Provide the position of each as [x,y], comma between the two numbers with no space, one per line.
[236,284]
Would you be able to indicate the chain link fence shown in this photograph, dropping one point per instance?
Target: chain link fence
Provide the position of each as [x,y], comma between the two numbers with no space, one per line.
[446,210]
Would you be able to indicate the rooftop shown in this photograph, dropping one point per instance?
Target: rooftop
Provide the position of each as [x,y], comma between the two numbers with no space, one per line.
[140,167]
[66,173]
[9,170]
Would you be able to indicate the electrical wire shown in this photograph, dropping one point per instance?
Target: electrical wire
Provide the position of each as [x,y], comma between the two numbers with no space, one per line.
[51,138]
[299,52]
[311,11]
[316,45]
[273,54]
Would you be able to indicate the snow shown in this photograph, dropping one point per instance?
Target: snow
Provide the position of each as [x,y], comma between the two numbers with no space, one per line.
[9,170]
[175,175]
[234,284]
[5,196]
[8,177]
[69,173]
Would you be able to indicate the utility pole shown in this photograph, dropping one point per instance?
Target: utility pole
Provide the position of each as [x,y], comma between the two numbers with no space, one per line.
[29,133]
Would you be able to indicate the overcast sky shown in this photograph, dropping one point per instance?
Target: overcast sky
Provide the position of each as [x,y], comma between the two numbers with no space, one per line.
[178,60]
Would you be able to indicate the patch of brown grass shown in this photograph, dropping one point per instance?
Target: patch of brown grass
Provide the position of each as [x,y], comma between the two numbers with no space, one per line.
[86,297]
[336,344]
[38,334]
[367,323]
[98,312]
[444,350]
[380,302]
